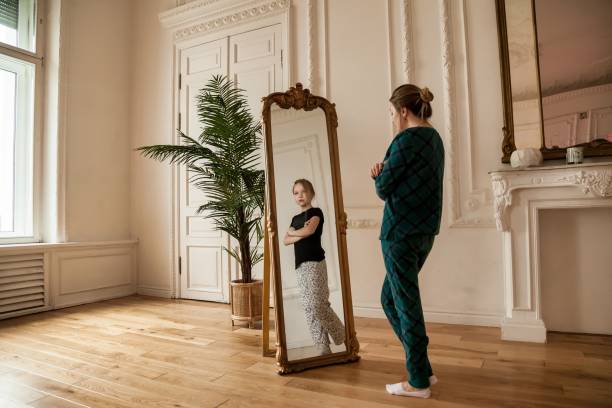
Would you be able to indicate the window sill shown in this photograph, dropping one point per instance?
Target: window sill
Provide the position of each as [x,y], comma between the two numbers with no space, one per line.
[62,245]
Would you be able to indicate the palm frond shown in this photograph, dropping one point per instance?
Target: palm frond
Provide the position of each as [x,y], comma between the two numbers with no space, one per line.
[224,161]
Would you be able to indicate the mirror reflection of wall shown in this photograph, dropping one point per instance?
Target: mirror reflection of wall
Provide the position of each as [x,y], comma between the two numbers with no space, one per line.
[524,67]
[575,57]
[300,151]
[573,98]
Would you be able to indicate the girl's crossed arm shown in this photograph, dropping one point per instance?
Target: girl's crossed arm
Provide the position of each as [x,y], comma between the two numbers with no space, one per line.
[309,228]
[289,239]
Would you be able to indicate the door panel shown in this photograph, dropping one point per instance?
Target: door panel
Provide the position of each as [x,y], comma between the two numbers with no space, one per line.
[255,63]
[256,66]
[204,264]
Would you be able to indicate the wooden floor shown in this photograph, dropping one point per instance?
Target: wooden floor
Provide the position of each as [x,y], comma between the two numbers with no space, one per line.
[149,352]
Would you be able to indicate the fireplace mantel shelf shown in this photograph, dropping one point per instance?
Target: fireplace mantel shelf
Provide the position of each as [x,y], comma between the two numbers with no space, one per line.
[595,178]
[552,166]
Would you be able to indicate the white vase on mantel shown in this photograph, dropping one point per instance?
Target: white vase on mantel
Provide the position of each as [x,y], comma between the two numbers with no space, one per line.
[523,158]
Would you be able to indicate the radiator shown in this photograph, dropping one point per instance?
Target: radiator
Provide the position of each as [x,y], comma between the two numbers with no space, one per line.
[22,283]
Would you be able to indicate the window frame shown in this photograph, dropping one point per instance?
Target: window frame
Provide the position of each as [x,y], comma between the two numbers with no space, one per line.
[35,58]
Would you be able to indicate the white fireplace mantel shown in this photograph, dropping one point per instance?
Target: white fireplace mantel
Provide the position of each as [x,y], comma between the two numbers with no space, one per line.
[519,196]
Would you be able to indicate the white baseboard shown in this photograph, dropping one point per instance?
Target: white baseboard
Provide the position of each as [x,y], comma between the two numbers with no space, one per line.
[521,330]
[437,316]
[95,299]
[154,291]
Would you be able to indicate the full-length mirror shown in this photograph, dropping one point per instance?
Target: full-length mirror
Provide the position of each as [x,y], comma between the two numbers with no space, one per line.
[556,60]
[307,228]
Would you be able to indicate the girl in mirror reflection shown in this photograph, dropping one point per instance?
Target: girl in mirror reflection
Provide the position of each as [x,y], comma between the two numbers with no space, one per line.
[305,235]
[409,180]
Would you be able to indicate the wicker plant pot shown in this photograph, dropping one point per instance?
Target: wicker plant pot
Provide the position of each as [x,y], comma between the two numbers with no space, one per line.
[246,301]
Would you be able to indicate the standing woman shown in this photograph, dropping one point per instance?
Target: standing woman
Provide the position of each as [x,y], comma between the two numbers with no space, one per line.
[410,180]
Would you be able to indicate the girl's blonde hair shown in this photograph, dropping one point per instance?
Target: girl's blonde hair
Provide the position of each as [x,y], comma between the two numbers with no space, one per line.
[307,185]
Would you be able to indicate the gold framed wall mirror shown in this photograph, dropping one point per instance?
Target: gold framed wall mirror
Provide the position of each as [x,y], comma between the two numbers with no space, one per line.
[556,69]
[314,323]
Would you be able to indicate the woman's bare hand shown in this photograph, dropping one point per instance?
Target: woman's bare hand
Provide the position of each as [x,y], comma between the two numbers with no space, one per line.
[376,170]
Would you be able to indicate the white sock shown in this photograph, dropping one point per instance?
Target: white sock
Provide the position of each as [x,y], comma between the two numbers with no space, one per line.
[433,380]
[398,389]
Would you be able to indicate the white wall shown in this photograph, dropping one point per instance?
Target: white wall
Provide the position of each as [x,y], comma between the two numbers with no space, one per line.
[152,101]
[462,281]
[97,61]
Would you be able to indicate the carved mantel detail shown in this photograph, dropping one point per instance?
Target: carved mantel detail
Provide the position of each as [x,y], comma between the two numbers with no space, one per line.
[597,182]
[592,179]
[503,199]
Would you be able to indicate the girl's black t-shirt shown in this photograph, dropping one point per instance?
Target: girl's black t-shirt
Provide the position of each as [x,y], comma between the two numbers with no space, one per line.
[309,248]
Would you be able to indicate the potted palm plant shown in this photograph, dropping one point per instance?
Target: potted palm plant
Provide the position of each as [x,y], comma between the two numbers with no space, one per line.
[224,161]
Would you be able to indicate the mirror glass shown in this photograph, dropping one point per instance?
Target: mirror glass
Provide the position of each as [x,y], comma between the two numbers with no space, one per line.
[560,59]
[522,58]
[575,58]
[310,268]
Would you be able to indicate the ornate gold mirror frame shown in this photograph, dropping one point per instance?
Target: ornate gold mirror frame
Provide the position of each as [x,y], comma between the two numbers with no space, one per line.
[597,147]
[301,99]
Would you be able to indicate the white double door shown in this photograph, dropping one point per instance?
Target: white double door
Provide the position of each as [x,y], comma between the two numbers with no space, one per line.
[254,61]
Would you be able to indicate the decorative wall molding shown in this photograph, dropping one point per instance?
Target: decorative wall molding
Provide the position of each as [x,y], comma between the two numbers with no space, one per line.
[311,75]
[364,217]
[534,102]
[364,223]
[91,274]
[185,7]
[605,79]
[316,47]
[569,95]
[478,198]
[202,17]
[407,43]
[448,83]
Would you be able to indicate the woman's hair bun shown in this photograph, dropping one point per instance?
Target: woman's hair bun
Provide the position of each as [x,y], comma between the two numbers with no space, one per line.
[426,95]
[413,98]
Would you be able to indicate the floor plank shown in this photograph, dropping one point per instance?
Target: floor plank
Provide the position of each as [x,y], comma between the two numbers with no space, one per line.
[149,352]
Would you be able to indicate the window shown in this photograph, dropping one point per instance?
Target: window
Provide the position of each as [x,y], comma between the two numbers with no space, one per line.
[20,72]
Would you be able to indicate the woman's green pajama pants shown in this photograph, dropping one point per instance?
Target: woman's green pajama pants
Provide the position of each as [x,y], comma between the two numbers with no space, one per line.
[401,301]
